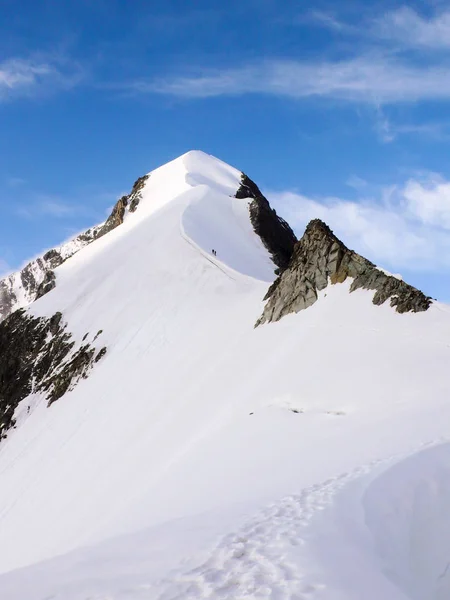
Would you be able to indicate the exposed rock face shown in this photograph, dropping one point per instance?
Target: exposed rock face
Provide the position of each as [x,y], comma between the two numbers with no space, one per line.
[319,258]
[38,355]
[135,196]
[37,277]
[47,284]
[116,217]
[53,259]
[131,202]
[275,233]
[8,298]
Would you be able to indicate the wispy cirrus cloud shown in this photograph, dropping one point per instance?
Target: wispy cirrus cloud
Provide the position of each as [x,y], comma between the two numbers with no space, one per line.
[37,75]
[50,206]
[400,226]
[402,27]
[328,20]
[56,208]
[373,78]
[379,68]
[389,130]
[407,27]
[85,202]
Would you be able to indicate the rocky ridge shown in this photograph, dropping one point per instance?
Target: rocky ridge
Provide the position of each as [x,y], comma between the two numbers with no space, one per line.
[319,259]
[39,355]
[275,233]
[37,278]
[129,202]
[22,287]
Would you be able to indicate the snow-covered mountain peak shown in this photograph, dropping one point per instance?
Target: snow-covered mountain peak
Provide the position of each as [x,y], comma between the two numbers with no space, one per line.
[137,397]
[204,169]
[209,211]
[192,169]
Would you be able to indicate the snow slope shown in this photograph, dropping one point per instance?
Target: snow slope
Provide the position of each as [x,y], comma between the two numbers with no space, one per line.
[204,458]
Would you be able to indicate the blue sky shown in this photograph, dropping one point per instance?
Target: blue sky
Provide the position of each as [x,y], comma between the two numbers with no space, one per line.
[336,109]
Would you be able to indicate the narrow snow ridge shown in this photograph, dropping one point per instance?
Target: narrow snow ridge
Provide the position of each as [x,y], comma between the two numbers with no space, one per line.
[211,218]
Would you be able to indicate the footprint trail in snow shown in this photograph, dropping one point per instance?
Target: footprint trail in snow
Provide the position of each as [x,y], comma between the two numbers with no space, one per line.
[253,562]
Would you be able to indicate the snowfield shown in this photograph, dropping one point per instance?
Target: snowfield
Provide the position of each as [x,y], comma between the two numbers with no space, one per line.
[204,458]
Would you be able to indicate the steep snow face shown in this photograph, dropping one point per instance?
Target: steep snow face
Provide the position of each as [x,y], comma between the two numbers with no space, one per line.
[194,420]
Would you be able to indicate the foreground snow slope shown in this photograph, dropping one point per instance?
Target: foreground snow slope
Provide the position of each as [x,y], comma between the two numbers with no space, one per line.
[194,420]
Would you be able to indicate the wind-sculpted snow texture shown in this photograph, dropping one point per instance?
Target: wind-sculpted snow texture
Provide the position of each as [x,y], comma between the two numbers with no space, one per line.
[320,258]
[206,458]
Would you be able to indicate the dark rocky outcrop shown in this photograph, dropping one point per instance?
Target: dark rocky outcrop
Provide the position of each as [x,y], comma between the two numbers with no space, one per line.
[37,277]
[29,273]
[47,284]
[89,235]
[135,196]
[131,201]
[53,258]
[116,217]
[38,355]
[8,297]
[275,233]
[320,258]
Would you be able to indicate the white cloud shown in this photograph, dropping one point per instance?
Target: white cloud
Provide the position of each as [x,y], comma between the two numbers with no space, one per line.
[88,201]
[407,27]
[373,78]
[46,205]
[429,202]
[55,208]
[383,126]
[404,227]
[380,70]
[325,19]
[356,182]
[27,77]
[389,130]
[402,28]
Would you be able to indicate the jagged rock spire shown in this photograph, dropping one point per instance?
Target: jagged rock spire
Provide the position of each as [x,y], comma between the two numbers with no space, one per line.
[320,258]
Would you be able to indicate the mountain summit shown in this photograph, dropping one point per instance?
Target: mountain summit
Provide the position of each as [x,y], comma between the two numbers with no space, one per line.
[193,170]
[155,444]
